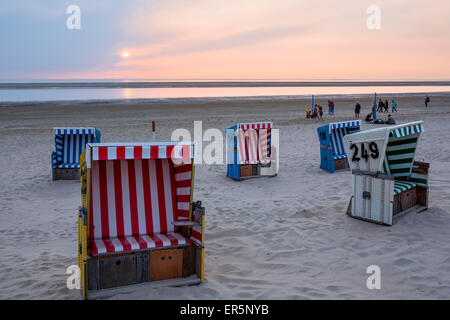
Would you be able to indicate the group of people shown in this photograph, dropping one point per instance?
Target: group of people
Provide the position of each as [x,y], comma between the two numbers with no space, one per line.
[388,120]
[317,112]
[384,106]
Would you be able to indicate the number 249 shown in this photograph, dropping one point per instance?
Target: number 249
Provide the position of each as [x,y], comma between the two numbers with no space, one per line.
[374,153]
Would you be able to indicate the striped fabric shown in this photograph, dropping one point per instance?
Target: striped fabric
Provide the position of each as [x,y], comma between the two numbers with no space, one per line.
[406,131]
[345,124]
[255,125]
[196,234]
[133,243]
[337,132]
[400,186]
[144,151]
[67,165]
[340,157]
[264,145]
[400,155]
[70,146]
[183,175]
[69,131]
[242,147]
[133,198]
[254,144]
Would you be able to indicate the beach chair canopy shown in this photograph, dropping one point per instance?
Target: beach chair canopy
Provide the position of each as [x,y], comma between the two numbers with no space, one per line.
[70,143]
[252,144]
[137,192]
[389,150]
[331,135]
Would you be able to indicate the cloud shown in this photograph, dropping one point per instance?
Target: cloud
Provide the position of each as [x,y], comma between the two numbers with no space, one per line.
[218,38]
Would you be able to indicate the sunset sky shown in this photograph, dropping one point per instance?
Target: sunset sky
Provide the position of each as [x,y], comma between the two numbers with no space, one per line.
[225,39]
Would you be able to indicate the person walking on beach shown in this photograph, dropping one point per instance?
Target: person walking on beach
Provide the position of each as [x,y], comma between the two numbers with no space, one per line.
[380,106]
[427,101]
[394,106]
[320,117]
[386,106]
[332,107]
[357,109]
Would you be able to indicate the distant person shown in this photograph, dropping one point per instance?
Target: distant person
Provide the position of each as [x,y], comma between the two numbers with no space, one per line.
[427,101]
[390,120]
[394,106]
[357,109]
[308,112]
[329,106]
[380,106]
[386,106]
[320,117]
[315,111]
[369,118]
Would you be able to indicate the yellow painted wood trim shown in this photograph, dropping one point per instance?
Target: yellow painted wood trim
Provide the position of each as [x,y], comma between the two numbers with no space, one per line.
[202,278]
[192,190]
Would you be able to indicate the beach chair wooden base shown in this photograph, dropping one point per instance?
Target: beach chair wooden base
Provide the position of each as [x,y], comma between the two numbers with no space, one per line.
[251,171]
[341,164]
[191,280]
[412,200]
[66,173]
[253,177]
[113,271]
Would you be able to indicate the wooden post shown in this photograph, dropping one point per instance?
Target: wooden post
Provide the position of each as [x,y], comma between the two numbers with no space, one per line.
[153,130]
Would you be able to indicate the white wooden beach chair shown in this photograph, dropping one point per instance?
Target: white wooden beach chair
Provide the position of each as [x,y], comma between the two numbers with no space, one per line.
[387,182]
[138,223]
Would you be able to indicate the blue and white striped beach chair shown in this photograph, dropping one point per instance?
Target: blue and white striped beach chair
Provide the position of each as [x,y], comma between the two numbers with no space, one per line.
[69,144]
[386,179]
[332,151]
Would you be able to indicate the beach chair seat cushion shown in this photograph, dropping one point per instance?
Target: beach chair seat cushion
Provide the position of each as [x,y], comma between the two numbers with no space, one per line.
[401,186]
[341,156]
[67,165]
[134,243]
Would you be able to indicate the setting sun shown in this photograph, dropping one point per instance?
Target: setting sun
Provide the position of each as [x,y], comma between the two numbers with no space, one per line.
[125,54]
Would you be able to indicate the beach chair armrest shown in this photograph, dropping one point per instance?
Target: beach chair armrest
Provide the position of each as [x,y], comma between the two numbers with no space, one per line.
[185,223]
[377,175]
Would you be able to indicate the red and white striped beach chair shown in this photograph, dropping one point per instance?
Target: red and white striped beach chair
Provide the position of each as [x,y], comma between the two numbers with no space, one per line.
[138,222]
[250,151]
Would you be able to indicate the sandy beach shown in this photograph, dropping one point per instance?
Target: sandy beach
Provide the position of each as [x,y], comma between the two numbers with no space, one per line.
[285,237]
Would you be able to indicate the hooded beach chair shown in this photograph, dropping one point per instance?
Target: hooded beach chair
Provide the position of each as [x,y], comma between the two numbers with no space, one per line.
[387,181]
[138,223]
[249,151]
[69,144]
[332,152]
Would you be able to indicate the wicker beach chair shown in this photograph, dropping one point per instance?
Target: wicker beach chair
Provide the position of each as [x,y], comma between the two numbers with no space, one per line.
[138,223]
[250,151]
[69,144]
[387,181]
[332,152]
